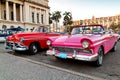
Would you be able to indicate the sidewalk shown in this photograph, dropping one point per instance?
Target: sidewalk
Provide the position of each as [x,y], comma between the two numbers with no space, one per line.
[15,68]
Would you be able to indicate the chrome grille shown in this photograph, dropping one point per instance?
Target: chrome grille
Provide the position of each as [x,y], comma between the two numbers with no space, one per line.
[71,50]
[63,49]
[11,44]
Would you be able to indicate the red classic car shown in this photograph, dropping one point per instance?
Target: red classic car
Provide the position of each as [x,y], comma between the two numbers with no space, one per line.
[87,43]
[32,41]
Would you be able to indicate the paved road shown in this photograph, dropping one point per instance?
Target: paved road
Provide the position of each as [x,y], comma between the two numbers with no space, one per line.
[16,68]
[110,69]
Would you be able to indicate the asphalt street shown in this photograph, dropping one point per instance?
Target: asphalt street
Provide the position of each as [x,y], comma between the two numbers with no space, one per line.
[83,70]
[16,68]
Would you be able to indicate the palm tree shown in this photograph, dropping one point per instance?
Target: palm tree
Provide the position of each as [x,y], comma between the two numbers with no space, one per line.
[50,21]
[56,16]
[67,19]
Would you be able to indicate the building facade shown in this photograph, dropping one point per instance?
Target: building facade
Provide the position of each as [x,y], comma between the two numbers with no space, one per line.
[105,21]
[24,13]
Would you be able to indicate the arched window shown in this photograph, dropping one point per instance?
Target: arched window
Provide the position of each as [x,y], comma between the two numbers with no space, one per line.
[33,19]
[37,17]
[42,18]
[4,27]
[11,26]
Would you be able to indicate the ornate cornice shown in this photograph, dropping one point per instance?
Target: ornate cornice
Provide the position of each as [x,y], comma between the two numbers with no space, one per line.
[38,3]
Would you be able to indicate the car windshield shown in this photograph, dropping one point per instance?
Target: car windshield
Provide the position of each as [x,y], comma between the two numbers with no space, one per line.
[87,30]
[42,29]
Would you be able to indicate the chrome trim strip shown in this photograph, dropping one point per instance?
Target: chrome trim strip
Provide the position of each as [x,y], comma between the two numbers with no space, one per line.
[75,56]
[87,58]
[83,57]
[14,47]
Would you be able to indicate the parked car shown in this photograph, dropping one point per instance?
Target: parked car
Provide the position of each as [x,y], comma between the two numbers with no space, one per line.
[87,43]
[4,33]
[9,32]
[110,31]
[118,36]
[32,41]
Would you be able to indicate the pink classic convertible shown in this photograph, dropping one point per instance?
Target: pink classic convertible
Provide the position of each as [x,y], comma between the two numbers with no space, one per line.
[87,43]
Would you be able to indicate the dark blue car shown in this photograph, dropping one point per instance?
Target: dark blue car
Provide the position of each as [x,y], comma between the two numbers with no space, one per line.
[4,33]
[9,32]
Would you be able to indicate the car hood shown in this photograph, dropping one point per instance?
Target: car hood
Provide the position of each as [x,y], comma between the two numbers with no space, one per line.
[27,34]
[31,36]
[16,37]
[64,40]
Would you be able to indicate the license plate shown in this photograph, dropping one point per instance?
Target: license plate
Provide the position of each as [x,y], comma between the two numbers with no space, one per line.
[63,55]
[10,47]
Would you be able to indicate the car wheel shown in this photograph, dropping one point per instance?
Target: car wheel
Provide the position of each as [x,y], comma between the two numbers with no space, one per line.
[99,60]
[33,48]
[114,48]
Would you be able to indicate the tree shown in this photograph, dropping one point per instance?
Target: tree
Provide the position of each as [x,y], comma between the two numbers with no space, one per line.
[67,20]
[50,20]
[115,26]
[69,29]
[118,26]
[56,16]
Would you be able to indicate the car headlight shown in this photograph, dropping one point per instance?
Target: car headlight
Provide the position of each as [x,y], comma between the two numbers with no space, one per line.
[21,40]
[85,44]
[48,42]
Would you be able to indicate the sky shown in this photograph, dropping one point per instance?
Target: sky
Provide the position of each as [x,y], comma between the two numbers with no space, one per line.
[85,9]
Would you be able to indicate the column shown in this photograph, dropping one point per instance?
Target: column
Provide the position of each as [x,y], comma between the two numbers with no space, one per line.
[44,18]
[7,10]
[14,11]
[26,13]
[0,10]
[21,13]
[47,17]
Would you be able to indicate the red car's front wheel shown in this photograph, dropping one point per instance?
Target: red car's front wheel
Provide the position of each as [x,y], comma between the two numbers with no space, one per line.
[33,48]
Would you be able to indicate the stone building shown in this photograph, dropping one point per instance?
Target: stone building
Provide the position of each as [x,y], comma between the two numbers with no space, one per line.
[24,13]
[105,21]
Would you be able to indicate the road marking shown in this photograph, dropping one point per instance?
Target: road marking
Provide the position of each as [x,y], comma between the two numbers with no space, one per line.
[62,69]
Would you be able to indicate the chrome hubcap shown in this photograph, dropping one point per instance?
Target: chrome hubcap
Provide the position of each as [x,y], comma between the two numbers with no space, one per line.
[34,48]
[100,57]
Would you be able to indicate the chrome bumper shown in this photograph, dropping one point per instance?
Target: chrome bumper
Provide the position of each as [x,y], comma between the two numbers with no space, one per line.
[87,58]
[15,46]
[75,56]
